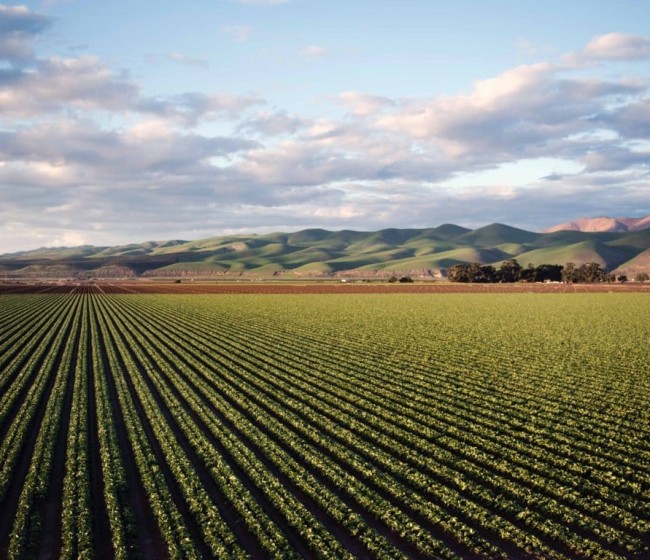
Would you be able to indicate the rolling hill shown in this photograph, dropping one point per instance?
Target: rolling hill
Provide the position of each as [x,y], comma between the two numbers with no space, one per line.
[322,253]
[603,223]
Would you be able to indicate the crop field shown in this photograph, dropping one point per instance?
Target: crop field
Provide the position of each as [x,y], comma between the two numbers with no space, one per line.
[313,287]
[478,426]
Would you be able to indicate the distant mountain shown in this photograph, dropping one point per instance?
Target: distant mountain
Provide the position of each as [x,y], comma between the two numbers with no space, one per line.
[603,223]
[323,253]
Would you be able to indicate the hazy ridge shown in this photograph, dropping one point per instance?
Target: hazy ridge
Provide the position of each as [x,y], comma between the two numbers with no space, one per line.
[603,223]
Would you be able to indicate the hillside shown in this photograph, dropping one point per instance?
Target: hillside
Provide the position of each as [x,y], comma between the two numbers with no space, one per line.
[321,253]
[603,223]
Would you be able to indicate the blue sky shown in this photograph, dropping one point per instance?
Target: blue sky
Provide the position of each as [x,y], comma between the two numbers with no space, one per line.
[128,121]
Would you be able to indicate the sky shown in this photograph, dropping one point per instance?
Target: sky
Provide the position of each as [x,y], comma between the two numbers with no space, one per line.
[128,121]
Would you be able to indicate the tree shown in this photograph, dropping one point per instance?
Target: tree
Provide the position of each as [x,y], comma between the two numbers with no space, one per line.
[473,273]
[406,279]
[459,273]
[510,271]
[569,274]
[622,278]
[549,272]
[486,274]
[529,274]
[642,277]
[591,273]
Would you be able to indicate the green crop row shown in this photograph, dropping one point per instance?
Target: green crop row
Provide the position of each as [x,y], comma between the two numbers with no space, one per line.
[29,519]
[334,426]
[320,422]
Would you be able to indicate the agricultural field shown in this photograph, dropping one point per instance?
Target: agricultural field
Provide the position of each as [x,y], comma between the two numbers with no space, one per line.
[344,425]
[313,287]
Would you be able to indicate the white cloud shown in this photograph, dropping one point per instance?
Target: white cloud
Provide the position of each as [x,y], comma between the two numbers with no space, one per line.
[82,152]
[18,27]
[615,158]
[191,107]
[362,104]
[524,111]
[57,83]
[631,120]
[88,148]
[68,238]
[273,123]
[85,84]
[617,46]
[338,213]
[313,52]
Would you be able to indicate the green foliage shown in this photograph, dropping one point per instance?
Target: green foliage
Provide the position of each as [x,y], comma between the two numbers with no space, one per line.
[388,426]
[589,273]
[510,271]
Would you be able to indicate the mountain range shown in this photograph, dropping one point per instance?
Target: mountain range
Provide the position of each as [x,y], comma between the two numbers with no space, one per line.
[603,223]
[322,253]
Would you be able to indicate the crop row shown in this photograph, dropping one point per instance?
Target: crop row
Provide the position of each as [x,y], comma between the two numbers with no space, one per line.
[332,426]
[299,392]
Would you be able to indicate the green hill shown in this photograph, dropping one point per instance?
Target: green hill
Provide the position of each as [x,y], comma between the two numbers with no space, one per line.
[319,252]
[496,234]
[640,263]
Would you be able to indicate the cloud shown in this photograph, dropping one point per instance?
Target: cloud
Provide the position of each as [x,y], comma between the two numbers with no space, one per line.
[188,60]
[189,108]
[614,158]
[522,112]
[55,84]
[631,120]
[75,175]
[18,27]
[84,83]
[89,153]
[69,150]
[313,52]
[69,238]
[362,104]
[617,46]
[40,88]
[325,152]
[273,123]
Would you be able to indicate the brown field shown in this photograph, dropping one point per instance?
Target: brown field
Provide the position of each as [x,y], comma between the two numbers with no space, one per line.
[315,287]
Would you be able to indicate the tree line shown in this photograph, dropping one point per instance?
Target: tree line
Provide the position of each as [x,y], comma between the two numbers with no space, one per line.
[511,271]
